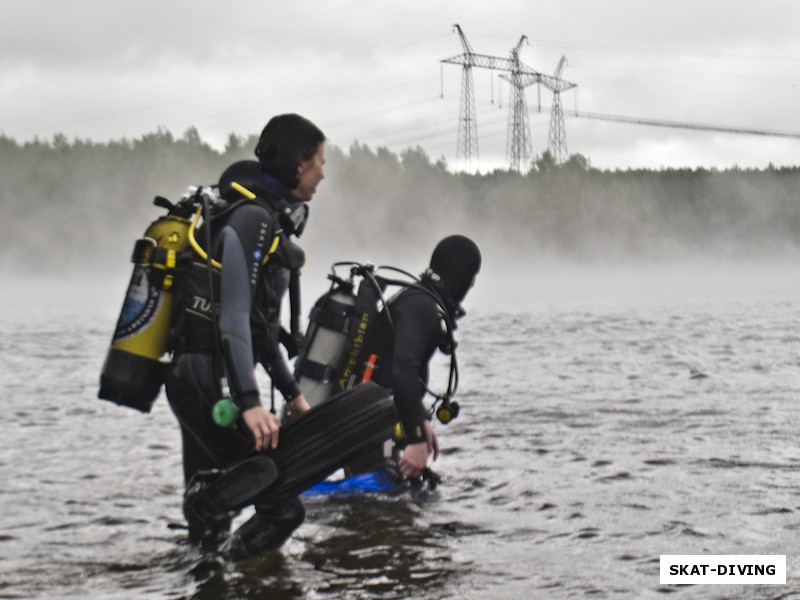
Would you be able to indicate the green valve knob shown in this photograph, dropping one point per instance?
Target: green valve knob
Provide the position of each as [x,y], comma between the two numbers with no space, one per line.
[225,413]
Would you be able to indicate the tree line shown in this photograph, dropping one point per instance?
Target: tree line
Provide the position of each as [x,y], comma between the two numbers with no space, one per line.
[69,203]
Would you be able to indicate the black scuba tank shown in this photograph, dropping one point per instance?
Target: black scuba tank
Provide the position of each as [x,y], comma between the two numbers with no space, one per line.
[134,372]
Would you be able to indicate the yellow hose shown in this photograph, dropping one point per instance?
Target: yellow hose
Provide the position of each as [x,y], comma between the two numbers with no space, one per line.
[243,191]
[197,248]
[193,241]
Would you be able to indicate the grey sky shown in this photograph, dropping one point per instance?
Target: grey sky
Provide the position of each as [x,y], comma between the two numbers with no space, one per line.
[370,71]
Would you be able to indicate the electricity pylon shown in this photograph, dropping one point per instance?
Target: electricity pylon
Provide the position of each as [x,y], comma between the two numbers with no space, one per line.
[467,122]
[518,143]
[557,143]
[520,76]
[557,140]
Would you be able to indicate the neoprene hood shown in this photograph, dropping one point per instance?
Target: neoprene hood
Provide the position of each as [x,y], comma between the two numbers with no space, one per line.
[456,259]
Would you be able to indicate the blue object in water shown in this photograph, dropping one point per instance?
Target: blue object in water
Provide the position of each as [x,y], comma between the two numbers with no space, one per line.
[375,481]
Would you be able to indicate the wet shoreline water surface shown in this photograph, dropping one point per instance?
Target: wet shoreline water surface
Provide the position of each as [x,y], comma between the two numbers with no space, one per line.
[593,438]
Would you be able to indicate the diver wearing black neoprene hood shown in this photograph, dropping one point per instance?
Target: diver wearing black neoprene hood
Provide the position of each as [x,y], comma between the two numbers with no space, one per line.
[417,331]
[455,262]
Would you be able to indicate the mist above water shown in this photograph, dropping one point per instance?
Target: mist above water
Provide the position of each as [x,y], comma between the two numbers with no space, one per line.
[503,286]
[561,234]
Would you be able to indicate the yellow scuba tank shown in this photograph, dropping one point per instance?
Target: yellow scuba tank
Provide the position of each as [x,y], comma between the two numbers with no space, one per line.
[134,372]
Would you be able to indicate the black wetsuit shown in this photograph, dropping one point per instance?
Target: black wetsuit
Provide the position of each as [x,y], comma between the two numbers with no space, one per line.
[248,291]
[405,353]
[404,348]
[424,317]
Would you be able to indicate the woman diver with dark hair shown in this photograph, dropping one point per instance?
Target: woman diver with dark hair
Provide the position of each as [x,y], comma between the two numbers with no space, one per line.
[224,328]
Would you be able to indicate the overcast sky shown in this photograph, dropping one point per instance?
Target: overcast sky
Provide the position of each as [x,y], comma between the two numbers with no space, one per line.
[371,71]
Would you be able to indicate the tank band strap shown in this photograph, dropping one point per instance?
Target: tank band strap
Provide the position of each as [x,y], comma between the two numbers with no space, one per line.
[314,370]
[331,319]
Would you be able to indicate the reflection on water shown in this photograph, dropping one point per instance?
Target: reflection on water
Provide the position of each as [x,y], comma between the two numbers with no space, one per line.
[382,548]
[359,547]
[592,439]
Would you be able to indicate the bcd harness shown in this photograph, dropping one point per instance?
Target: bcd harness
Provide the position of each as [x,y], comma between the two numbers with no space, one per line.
[341,343]
[151,323]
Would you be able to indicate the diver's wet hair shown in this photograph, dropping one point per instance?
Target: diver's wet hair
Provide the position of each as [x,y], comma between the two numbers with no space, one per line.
[286,141]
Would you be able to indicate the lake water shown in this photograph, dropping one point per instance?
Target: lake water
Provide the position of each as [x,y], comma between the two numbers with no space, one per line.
[598,431]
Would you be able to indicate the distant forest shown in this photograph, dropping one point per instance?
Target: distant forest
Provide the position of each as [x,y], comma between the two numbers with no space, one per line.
[69,203]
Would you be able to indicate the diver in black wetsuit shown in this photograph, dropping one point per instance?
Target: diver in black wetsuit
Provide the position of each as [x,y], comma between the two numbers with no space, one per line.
[250,239]
[406,348]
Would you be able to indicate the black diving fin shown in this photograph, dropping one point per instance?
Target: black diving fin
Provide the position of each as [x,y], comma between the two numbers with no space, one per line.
[330,436]
[314,445]
[213,493]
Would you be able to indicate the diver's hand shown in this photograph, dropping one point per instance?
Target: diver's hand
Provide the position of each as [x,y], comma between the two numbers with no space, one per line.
[264,426]
[414,459]
[415,456]
[297,406]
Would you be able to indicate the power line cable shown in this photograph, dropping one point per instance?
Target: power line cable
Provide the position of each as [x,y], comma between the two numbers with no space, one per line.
[683,125]
[758,79]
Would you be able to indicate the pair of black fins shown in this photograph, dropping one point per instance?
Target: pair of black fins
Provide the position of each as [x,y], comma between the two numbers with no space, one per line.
[311,447]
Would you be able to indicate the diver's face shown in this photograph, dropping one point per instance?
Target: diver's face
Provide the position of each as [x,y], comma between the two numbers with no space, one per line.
[309,174]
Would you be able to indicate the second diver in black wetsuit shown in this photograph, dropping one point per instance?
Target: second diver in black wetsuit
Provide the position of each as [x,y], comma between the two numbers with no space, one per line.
[406,348]
[254,255]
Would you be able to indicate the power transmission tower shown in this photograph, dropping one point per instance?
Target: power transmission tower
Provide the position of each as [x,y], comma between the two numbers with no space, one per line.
[557,143]
[520,76]
[467,122]
[518,146]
